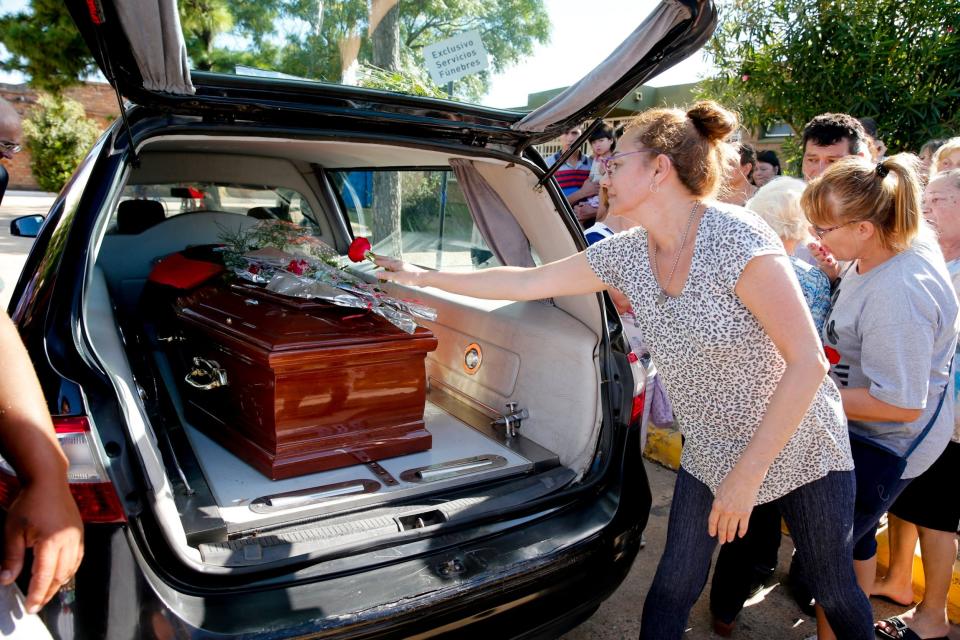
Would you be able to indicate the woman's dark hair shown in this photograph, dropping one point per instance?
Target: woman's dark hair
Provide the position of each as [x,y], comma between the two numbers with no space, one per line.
[694,140]
[747,155]
[870,126]
[931,146]
[770,158]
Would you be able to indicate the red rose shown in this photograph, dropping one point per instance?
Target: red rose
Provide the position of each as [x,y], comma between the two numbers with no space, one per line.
[254,269]
[297,267]
[359,249]
[833,356]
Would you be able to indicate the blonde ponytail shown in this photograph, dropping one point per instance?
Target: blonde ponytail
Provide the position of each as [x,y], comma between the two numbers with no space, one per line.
[886,194]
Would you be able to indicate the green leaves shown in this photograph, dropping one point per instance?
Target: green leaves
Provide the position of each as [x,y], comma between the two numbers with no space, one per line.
[58,135]
[45,45]
[306,38]
[897,61]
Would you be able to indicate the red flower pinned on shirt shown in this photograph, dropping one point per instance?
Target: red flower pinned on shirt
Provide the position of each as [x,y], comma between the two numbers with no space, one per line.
[833,356]
[360,250]
[297,266]
[254,269]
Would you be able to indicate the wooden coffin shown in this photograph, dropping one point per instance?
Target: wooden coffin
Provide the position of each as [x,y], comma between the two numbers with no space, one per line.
[293,386]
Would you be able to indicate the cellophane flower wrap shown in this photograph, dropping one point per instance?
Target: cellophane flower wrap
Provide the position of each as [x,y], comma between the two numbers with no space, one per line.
[290,261]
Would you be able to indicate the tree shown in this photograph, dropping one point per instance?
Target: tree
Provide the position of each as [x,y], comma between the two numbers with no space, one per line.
[44,45]
[58,135]
[897,61]
[327,41]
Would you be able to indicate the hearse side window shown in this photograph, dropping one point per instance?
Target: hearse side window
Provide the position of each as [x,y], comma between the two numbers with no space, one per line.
[417,214]
[258,201]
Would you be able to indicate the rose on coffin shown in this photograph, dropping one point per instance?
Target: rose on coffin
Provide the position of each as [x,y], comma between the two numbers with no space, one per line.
[360,250]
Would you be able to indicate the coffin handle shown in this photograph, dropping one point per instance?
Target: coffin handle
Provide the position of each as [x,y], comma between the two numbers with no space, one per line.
[206,375]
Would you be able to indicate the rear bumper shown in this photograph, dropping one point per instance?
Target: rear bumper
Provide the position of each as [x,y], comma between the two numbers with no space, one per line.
[536,579]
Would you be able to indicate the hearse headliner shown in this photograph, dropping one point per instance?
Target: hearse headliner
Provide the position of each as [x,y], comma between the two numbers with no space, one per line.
[332,154]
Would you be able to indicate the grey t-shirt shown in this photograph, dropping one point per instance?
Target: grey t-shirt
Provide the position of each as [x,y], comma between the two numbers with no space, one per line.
[894,330]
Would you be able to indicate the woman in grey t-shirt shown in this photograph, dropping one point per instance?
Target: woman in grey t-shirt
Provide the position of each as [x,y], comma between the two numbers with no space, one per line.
[892,331]
[725,322]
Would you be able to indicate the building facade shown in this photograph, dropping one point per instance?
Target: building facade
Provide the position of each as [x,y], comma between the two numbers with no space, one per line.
[97,98]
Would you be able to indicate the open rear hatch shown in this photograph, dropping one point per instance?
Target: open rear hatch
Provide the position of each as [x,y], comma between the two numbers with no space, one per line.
[156,72]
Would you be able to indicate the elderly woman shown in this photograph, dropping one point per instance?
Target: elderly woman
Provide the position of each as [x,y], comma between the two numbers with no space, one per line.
[745,564]
[946,157]
[926,508]
[778,203]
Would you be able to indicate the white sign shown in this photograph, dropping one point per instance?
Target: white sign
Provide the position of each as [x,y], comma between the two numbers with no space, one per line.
[456,57]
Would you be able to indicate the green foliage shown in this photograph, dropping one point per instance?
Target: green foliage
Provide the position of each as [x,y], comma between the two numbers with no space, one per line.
[410,81]
[897,61]
[58,135]
[421,199]
[44,45]
[306,38]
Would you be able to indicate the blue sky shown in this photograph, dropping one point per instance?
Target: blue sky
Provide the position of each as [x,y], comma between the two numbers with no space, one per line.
[584,33]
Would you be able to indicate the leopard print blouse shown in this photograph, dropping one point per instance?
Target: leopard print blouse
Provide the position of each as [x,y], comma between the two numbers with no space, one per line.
[718,365]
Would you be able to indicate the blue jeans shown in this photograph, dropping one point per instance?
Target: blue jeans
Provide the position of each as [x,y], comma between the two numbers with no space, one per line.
[820,517]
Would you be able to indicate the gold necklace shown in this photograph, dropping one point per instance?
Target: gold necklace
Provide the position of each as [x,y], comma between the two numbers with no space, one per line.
[662,297]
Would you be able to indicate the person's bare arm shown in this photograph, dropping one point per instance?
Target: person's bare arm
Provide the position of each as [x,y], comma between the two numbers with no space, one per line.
[589,188]
[858,404]
[43,515]
[773,296]
[567,277]
[585,212]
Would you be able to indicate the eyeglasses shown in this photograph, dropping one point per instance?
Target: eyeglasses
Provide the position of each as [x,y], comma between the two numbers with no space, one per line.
[607,163]
[9,147]
[820,231]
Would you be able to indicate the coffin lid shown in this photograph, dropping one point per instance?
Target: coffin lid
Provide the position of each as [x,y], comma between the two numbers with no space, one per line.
[278,324]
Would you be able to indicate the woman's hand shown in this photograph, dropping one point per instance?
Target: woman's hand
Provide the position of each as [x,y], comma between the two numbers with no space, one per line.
[732,505]
[43,517]
[825,260]
[398,271]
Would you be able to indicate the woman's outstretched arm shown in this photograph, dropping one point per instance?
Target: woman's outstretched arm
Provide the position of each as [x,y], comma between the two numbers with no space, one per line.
[567,277]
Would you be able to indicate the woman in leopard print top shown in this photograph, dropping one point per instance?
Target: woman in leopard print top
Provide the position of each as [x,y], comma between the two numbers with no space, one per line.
[727,327]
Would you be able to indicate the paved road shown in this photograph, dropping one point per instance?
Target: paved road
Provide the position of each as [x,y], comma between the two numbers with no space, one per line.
[13,250]
[772,615]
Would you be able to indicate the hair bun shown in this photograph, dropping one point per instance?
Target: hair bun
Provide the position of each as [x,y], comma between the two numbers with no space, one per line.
[712,121]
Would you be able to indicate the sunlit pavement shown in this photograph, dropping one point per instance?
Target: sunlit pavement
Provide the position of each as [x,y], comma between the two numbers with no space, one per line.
[13,250]
[772,615]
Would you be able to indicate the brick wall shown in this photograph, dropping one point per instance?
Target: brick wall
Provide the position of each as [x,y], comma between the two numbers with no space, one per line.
[97,98]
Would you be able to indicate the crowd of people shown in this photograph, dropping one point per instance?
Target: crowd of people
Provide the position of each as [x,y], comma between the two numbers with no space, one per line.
[825,311]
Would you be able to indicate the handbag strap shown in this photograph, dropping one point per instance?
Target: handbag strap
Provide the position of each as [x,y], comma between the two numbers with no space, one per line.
[936,413]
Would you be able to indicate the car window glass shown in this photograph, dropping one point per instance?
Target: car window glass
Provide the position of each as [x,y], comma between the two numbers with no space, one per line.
[258,201]
[419,215]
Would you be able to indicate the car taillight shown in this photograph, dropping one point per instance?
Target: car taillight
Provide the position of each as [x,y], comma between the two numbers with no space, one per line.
[639,387]
[95,495]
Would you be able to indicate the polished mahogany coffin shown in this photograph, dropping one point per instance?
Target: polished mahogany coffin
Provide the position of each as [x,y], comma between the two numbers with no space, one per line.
[294,386]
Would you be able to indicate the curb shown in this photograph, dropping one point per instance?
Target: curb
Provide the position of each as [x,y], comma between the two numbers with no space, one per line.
[664,446]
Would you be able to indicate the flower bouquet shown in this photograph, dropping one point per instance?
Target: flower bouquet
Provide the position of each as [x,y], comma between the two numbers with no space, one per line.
[290,261]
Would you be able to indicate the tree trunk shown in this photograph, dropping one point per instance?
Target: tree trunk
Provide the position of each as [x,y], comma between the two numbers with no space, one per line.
[386,185]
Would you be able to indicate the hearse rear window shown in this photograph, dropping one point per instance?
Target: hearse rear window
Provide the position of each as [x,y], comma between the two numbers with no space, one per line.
[257,201]
[419,215]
